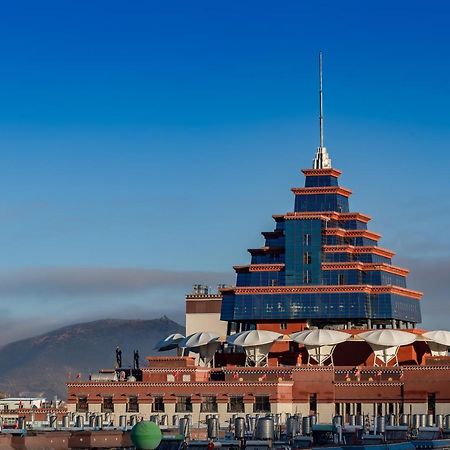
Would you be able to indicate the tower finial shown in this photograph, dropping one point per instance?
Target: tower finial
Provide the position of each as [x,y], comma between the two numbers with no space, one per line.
[322,160]
[320,101]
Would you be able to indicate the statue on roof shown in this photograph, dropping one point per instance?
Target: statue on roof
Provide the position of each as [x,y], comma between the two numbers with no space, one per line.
[118,357]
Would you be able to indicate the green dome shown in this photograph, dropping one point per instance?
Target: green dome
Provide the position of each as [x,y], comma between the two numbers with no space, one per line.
[146,435]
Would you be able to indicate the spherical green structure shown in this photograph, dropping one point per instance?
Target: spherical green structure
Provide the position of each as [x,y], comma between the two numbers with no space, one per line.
[146,435]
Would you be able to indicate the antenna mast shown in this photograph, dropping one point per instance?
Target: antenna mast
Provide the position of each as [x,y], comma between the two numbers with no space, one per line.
[322,160]
[320,101]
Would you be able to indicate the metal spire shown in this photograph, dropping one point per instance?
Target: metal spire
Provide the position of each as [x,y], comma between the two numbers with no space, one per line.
[320,101]
[322,160]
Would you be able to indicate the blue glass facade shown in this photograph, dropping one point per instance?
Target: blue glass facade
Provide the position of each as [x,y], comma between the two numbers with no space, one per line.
[321,202]
[297,243]
[331,306]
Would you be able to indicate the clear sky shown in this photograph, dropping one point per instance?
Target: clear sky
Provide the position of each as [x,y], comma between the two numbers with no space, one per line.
[144,145]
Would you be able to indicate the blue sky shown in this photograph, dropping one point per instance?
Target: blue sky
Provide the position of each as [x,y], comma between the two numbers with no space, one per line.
[145,145]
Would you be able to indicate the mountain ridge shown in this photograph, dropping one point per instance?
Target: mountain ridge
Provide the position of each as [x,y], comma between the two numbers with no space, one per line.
[41,365]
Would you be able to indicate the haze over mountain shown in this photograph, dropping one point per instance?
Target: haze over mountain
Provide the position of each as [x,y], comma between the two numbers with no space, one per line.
[42,365]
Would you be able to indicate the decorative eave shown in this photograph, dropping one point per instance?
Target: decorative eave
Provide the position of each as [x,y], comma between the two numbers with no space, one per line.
[266,267]
[307,216]
[360,217]
[357,265]
[259,268]
[169,384]
[397,290]
[180,369]
[328,215]
[351,233]
[257,370]
[358,250]
[203,297]
[375,384]
[328,289]
[322,172]
[322,190]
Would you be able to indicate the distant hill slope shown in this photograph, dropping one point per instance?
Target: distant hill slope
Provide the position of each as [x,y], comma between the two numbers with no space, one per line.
[42,365]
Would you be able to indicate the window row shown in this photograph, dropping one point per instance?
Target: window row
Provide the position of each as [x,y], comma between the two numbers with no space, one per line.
[183,404]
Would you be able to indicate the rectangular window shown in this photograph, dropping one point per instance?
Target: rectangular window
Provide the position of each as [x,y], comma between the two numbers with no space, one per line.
[283,326]
[262,404]
[306,277]
[306,258]
[183,404]
[313,404]
[158,404]
[82,404]
[390,408]
[274,282]
[341,279]
[306,239]
[432,404]
[133,405]
[107,405]
[209,404]
[236,404]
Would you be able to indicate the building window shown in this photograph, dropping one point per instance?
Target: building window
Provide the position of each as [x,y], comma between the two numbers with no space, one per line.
[283,326]
[379,409]
[341,279]
[82,404]
[306,277]
[262,404]
[306,258]
[183,404]
[236,404]
[431,404]
[107,405]
[186,378]
[306,239]
[209,404]
[158,404]
[313,403]
[133,405]
[274,282]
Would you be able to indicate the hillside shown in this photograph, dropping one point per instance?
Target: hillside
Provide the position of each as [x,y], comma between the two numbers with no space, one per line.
[41,365]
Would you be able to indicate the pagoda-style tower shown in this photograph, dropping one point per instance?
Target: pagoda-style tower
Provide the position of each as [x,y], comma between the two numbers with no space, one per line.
[320,266]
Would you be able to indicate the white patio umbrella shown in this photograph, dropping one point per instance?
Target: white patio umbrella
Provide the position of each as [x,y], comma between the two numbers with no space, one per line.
[253,337]
[438,341]
[198,339]
[385,343]
[169,343]
[321,343]
[256,344]
[320,337]
[205,343]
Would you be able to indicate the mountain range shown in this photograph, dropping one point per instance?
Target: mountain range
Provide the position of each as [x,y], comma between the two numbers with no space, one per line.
[41,365]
